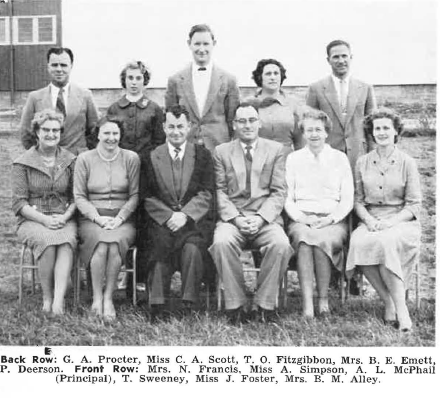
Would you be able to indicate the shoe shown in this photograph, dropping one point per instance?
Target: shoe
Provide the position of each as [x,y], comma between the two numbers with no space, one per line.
[159,313]
[236,316]
[269,316]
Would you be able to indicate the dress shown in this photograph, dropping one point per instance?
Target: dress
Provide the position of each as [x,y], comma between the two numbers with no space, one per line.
[142,122]
[385,191]
[321,185]
[279,116]
[48,190]
[108,188]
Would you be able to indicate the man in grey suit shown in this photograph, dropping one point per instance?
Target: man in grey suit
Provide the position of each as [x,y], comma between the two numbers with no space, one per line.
[346,101]
[74,102]
[209,93]
[251,190]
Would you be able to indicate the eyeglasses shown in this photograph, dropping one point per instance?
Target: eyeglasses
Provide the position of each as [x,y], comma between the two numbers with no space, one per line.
[47,130]
[242,122]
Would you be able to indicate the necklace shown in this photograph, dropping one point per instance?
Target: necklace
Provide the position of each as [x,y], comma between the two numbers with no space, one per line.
[107,159]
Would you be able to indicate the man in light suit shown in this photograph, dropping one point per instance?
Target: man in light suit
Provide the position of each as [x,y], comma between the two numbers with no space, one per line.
[177,192]
[74,102]
[346,101]
[209,93]
[251,190]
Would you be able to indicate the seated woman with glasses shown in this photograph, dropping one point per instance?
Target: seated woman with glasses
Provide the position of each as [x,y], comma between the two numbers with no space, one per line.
[42,198]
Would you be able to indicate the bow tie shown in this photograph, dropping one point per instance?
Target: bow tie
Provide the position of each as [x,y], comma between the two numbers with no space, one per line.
[202,68]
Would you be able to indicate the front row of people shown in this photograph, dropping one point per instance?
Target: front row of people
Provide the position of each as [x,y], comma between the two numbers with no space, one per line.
[195,203]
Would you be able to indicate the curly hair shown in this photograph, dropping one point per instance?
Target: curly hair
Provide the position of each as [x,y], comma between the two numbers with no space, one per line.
[383,113]
[44,116]
[177,111]
[315,114]
[135,65]
[257,74]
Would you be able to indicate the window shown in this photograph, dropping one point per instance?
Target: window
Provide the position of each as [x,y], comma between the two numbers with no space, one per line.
[4,31]
[39,29]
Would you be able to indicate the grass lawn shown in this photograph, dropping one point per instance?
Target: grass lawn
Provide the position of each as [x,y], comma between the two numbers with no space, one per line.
[357,323]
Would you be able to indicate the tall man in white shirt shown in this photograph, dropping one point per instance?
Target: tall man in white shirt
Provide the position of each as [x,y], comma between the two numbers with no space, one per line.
[74,102]
[209,93]
[346,101]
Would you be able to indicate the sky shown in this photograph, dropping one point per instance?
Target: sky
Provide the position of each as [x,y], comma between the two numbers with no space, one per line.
[393,42]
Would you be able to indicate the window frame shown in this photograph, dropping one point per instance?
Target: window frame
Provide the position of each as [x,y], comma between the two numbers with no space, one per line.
[7,41]
[35,30]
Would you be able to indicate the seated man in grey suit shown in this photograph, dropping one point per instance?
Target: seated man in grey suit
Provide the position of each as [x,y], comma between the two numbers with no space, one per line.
[209,93]
[346,101]
[75,103]
[251,190]
[177,192]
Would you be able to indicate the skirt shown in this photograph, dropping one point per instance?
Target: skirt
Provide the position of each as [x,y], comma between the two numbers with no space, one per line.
[90,234]
[330,239]
[396,248]
[39,238]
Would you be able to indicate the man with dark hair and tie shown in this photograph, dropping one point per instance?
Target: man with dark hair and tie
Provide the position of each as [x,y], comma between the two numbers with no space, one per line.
[209,93]
[75,103]
[346,101]
[251,190]
[177,194]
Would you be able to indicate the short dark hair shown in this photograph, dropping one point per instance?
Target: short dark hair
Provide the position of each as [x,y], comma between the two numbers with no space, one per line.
[257,74]
[135,65]
[245,104]
[315,114]
[200,28]
[59,51]
[43,116]
[177,111]
[383,113]
[335,43]
[108,119]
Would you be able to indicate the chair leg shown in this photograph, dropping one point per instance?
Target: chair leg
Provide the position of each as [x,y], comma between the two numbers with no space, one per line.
[20,282]
[219,294]
[417,286]
[33,271]
[134,254]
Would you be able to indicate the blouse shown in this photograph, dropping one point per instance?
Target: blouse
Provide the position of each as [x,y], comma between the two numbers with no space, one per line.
[142,122]
[395,184]
[101,184]
[320,184]
[48,190]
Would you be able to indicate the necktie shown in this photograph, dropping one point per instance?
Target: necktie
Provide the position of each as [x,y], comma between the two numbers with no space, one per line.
[344,94]
[61,106]
[248,154]
[177,172]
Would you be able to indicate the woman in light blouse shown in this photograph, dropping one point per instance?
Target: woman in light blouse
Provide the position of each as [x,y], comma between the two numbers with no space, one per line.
[386,244]
[42,198]
[319,197]
[106,192]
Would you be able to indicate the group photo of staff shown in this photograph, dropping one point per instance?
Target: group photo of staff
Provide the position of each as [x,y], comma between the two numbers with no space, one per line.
[266,197]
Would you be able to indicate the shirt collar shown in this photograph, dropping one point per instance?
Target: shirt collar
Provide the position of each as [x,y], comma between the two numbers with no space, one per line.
[141,103]
[392,157]
[337,80]
[321,155]
[253,145]
[280,97]
[172,147]
[55,89]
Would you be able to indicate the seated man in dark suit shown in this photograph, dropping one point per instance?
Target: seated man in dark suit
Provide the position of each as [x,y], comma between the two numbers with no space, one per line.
[177,190]
[251,190]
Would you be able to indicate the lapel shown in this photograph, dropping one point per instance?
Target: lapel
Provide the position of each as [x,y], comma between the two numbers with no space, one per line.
[73,105]
[188,167]
[237,161]
[46,98]
[188,90]
[258,161]
[214,86]
[332,97]
[354,90]
[162,166]
[31,158]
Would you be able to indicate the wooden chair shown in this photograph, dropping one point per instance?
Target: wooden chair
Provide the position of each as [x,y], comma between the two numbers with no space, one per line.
[416,276]
[27,262]
[80,267]
[281,301]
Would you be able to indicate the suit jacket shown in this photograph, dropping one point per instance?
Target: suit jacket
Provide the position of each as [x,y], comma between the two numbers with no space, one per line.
[268,184]
[81,117]
[214,126]
[347,135]
[159,198]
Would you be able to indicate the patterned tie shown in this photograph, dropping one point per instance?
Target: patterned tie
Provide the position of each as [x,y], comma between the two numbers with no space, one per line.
[61,106]
[177,172]
[344,94]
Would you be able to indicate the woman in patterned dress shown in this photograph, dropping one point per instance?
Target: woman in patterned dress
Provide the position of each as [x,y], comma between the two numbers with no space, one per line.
[106,190]
[386,244]
[42,180]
